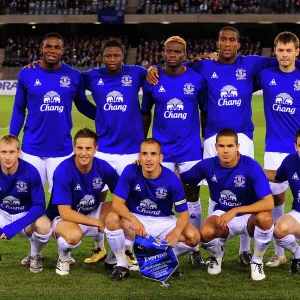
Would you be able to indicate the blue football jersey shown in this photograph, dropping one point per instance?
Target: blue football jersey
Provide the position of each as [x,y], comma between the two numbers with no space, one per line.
[241,185]
[21,192]
[229,92]
[176,122]
[48,97]
[118,119]
[290,170]
[282,108]
[151,197]
[80,191]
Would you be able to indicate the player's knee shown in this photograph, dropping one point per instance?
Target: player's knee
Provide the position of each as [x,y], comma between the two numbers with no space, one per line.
[192,237]
[264,220]
[207,232]
[281,229]
[42,225]
[73,237]
[112,221]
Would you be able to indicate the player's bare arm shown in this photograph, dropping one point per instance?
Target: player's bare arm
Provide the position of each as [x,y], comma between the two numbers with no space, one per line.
[121,209]
[271,174]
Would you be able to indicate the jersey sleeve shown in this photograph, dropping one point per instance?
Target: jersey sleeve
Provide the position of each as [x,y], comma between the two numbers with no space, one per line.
[147,102]
[261,62]
[178,195]
[19,109]
[202,94]
[281,174]
[111,177]
[141,74]
[35,212]
[197,66]
[194,175]
[81,101]
[122,189]
[259,181]
[62,187]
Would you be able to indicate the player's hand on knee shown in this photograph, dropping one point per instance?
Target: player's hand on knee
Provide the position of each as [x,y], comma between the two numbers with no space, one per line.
[138,227]
[101,226]
[152,75]
[224,219]
[172,237]
[32,65]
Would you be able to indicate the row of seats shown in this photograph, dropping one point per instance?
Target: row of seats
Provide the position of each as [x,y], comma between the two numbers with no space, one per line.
[53,7]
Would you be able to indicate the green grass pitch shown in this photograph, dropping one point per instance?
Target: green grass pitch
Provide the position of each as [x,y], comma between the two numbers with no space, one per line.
[91,281]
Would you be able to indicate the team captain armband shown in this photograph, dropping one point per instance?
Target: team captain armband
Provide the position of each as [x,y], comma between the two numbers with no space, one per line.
[180,202]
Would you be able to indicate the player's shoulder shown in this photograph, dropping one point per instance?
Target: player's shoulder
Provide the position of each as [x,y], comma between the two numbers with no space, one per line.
[249,162]
[101,164]
[66,166]
[131,169]
[291,159]
[27,167]
[195,75]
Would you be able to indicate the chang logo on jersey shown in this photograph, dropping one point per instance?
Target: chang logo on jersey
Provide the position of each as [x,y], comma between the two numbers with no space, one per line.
[21,186]
[114,101]
[229,199]
[239,181]
[175,104]
[161,193]
[283,103]
[297,85]
[87,203]
[10,202]
[126,80]
[97,182]
[64,81]
[229,95]
[148,207]
[240,74]
[188,89]
[52,102]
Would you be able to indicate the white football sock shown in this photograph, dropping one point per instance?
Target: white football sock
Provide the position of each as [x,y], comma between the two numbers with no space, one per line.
[211,206]
[128,244]
[290,243]
[99,241]
[277,212]
[195,211]
[116,240]
[181,249]
[38,241]
[262,239]
[244,243]
[64,247]
[214,247]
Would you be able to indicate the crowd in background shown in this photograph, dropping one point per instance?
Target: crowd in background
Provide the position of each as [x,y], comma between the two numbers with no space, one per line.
[150,52]
[79,51]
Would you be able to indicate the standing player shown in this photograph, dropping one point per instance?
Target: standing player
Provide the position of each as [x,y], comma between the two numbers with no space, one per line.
[229,87]
[287,228]
[47,92]
[281,90]
[176,124]
[240,188]
[115,89]
[144,198]
[22,201]
[75,201]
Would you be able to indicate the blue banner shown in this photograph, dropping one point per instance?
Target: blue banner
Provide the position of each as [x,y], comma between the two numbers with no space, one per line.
[111,16]
[156,260]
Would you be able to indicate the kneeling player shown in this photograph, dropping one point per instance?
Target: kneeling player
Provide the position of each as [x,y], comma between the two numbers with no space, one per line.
[22,201]
[287,228]
[240,188]
[144,198]
[75,201]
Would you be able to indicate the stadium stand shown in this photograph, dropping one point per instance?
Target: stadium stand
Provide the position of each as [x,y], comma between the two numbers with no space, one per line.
[60,7]
[150,53]
[83,52]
